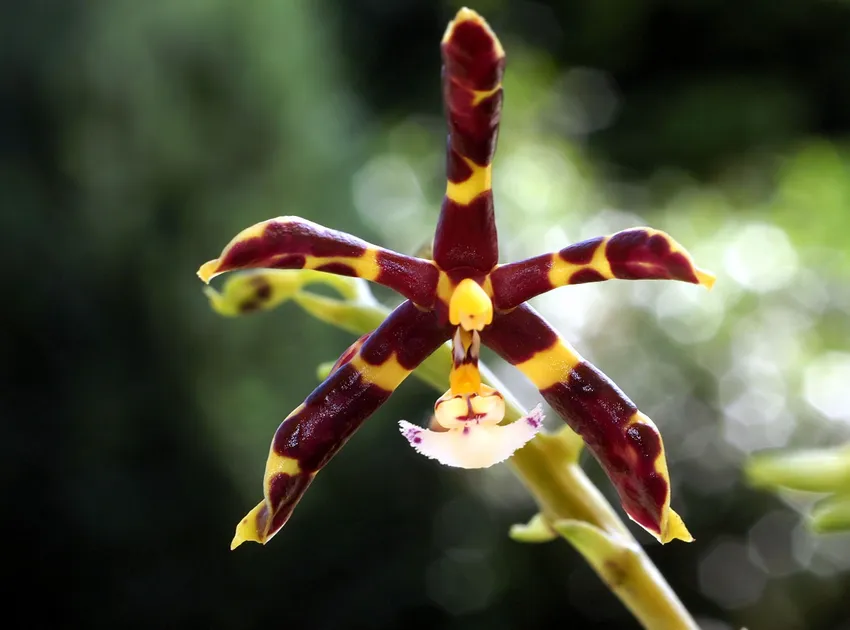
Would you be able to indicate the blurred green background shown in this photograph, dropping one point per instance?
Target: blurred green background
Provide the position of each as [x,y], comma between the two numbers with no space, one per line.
[137,137]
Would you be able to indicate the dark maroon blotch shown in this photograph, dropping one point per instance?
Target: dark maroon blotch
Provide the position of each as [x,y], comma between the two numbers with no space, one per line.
[515,283]
[466,235]
[288,261]
[243,254]
[470,57]
[306,238]
[581,253]
[249,306]
[596,408]
[637,255]
[262,288]
[338,268]
[457,170]
[285,491]
[519,334]
[419,277]
[473,130]
[412,337]
[330,415]
[583,276]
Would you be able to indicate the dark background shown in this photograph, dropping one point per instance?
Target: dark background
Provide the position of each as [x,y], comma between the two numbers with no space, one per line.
[136,138]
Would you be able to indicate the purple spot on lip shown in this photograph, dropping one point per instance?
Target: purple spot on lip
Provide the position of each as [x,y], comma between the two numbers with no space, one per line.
[417,439]
[465,430]
[535,418]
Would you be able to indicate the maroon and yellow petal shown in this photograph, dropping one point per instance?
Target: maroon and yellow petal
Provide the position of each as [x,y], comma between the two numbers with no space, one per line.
[624,441]
[473,63]
[634,254]
[295,243]
[312,434]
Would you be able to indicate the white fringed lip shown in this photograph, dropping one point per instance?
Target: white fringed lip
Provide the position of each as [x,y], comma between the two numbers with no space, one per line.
[474,445]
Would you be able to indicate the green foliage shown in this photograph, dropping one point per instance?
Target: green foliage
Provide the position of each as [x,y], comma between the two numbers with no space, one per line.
[825,471]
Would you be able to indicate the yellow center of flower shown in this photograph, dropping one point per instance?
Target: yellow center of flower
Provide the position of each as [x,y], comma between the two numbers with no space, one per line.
[454,411]
[468,399]
[470,307]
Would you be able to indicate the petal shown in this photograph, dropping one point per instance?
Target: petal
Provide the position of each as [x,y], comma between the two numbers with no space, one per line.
[473,62]
[312,434]
[295,243]
[475,445]
[635,254]
[626,443]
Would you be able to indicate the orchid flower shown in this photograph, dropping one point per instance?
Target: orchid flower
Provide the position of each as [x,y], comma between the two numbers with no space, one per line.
[464,296]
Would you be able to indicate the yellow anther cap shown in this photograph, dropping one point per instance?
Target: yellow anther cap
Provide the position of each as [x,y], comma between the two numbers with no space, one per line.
[470,307]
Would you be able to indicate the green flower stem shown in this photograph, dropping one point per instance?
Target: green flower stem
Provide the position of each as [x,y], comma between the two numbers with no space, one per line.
[575,508]
[355,318]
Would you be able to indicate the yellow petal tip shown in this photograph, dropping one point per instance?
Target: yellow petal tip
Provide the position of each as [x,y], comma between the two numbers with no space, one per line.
[674,529]
[246,530]
[207,271]
[706,278]
[465,14]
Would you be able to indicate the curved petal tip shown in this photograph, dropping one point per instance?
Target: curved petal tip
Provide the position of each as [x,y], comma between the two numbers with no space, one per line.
[705,278]
[207,271]
[248,528]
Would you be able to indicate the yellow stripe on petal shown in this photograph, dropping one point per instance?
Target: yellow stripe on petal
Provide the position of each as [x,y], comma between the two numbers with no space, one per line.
[480,95]
[561,271]
[480,181]
[364,266]
[388,375]
[551,366]
[599,262]
[278,464]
